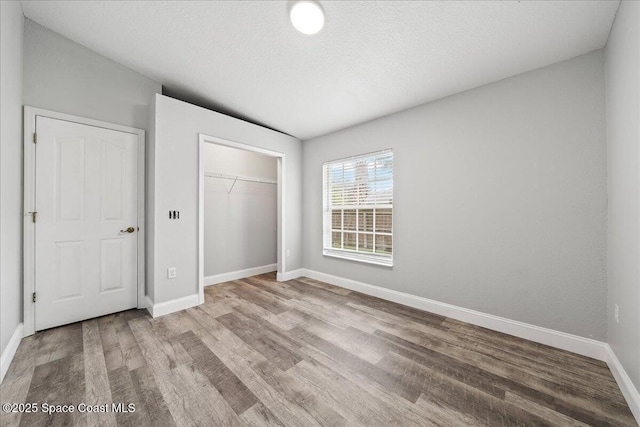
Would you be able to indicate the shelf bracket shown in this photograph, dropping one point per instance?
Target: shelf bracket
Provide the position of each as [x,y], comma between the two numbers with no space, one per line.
[232,185]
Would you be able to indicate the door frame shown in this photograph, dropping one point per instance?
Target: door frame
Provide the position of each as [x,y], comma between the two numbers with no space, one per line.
[280,157]
[28,228]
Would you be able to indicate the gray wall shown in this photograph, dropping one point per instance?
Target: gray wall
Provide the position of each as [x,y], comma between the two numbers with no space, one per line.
[234,161]
[63,76]
[151,191]
[623,137]
[11,51]
[175,157]
[500,199]
[240,228]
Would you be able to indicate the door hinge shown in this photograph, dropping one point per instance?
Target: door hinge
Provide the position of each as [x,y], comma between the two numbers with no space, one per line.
[35,138]
[34,297]
[34,215]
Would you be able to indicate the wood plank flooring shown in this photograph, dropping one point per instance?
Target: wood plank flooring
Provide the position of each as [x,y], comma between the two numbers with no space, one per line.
[304,353]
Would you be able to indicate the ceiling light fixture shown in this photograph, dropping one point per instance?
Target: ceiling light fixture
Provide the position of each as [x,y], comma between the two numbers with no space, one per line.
[307,16]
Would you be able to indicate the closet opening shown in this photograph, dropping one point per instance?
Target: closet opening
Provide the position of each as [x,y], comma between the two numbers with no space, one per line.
[241,211]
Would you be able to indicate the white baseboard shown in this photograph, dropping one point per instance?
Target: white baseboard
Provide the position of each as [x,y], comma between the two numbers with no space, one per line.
[576,344]
[240,274]
[10,350]
[149,305]
[290,275]
[167,307]
[629,391]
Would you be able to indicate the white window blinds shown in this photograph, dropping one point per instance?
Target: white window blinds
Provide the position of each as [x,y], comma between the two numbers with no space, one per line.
[358,208]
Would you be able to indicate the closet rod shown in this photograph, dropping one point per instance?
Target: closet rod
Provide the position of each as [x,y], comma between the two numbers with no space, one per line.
[238,177]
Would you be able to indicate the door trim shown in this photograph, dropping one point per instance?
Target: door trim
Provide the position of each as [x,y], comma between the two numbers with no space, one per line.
[281,216]
[28,246]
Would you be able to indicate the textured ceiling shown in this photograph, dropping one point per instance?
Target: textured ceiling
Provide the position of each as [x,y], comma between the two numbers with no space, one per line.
[371,58]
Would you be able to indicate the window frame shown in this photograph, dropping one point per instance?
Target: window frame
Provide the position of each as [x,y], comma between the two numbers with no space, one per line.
[328,229]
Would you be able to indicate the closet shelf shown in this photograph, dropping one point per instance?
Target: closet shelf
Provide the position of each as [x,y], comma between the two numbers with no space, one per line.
[238,178]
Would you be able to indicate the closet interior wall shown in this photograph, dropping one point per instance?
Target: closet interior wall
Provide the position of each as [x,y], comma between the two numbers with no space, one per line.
[240,210]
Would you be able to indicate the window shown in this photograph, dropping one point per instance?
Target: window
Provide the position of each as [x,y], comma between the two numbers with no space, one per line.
[358,208]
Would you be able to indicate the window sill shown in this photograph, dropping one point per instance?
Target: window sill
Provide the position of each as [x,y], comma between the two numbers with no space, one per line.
[364,258]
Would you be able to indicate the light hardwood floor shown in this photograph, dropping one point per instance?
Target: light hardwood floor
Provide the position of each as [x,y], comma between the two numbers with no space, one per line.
[305,353]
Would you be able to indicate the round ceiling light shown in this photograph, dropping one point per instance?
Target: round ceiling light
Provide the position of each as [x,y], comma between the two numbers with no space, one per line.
[307,16]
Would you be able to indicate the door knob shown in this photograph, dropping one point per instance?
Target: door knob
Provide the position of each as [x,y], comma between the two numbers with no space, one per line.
[128,230]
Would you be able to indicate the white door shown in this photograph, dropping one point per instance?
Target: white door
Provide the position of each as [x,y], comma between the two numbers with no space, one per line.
[86,199]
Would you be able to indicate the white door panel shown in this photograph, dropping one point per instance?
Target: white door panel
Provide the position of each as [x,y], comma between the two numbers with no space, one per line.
[86,193]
